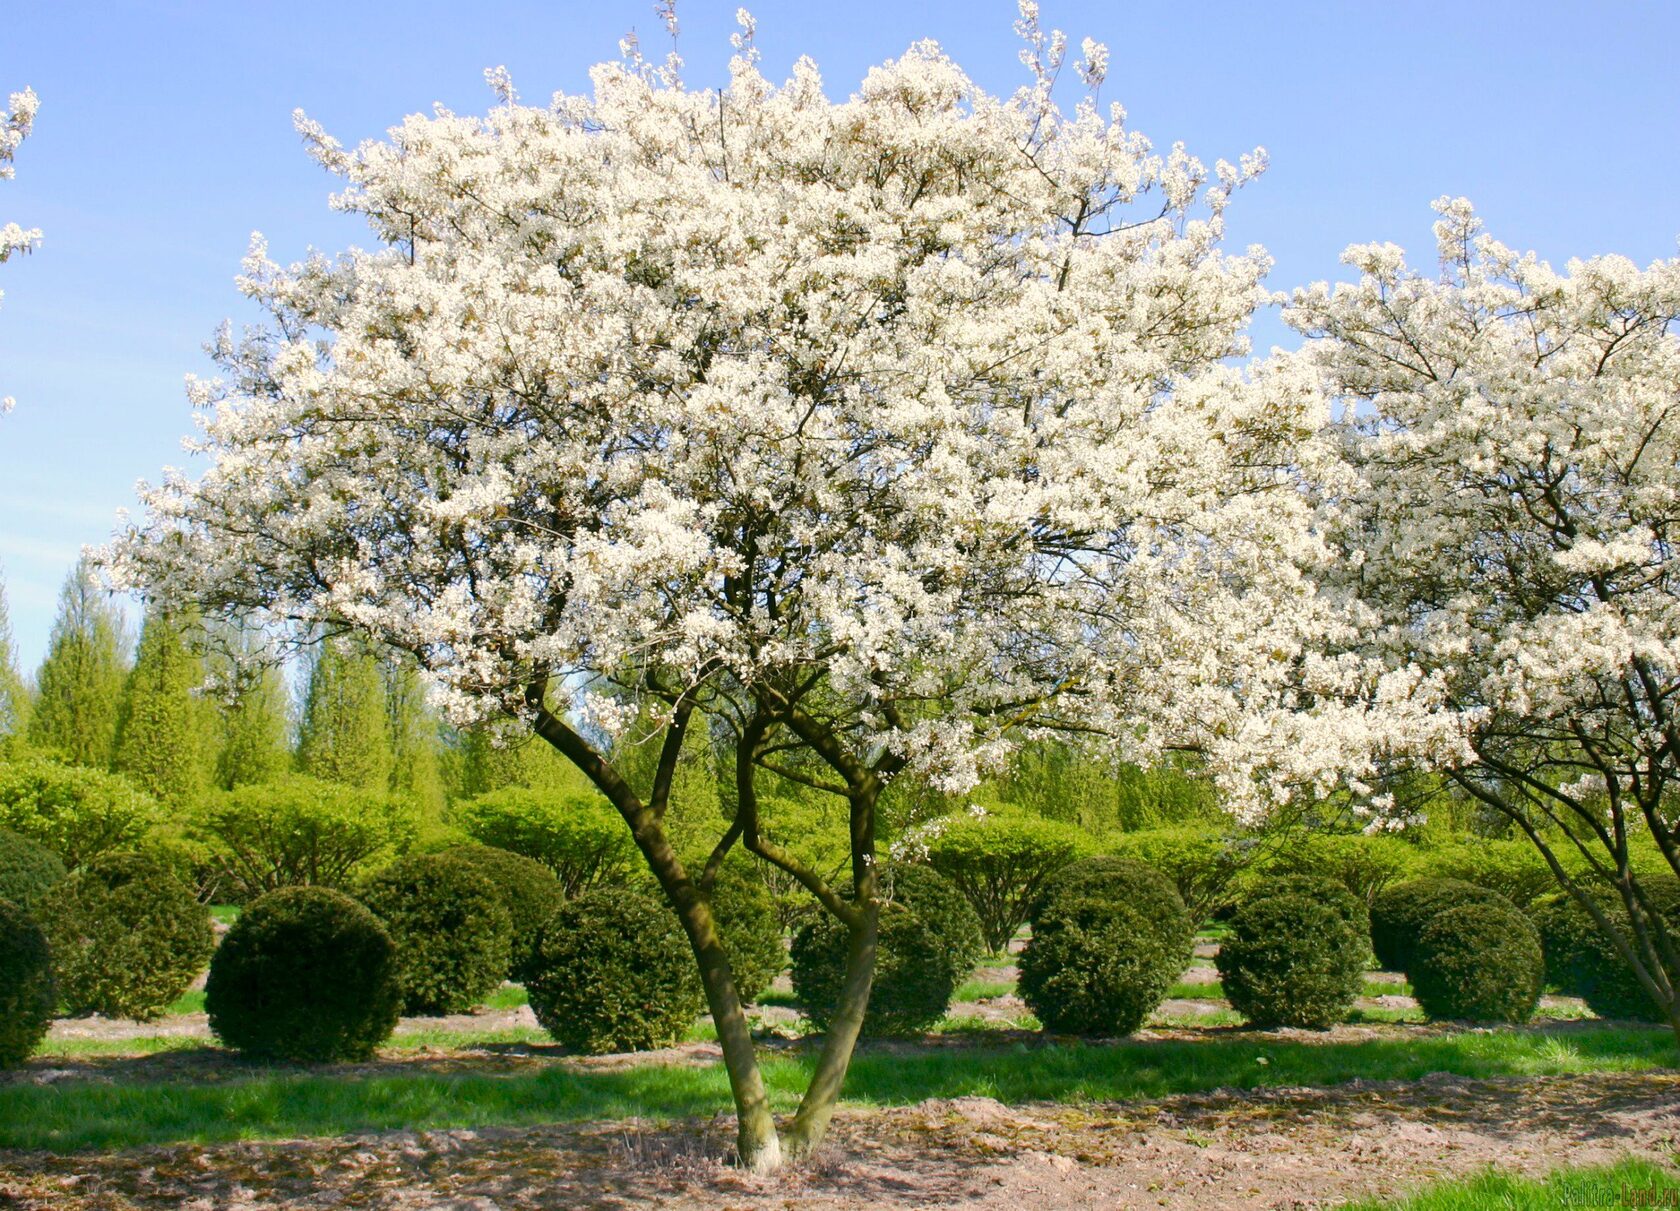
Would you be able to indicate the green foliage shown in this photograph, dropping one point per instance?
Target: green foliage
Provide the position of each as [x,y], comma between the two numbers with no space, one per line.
[915,973]
[255,718]
[346,735]
[163,737]
[1365,865]
[16,700]
[1202,862]
[944,909]
[303,832]
[127,937]
[1121,881]
[1000,862]
[529,892]
[415,771]
[614,973]
[80,683]
[1582,961]
[1331,893]
[1478,961]
[748,926]
[28,871]
[1294,960]
[452,932]
[495,755]
[1099,964]
[27,996]
[1595,1186]
[813,829]
[1513,867]
[1400,912]
[305,975]
[580,837]
[76,812]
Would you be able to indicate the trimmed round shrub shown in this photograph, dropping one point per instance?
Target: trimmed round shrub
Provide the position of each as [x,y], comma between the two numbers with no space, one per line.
[944,909]
[1203,863]
[1122,881]
[1332,893]
[1582,962]
[306,975]
[1363,865]
[999,862]
[450,927]
[28,871]
[529,892]
[1399,914]
[1293,960]
[1099,965]
[1511,866]
[747,924]
[26,985]
[127,937]
[1478,961]
[614,972]
[915,973]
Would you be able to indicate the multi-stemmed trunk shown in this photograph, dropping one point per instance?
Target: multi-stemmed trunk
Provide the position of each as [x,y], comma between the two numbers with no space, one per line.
[759,1145]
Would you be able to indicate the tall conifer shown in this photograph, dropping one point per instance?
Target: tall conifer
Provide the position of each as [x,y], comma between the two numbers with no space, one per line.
[164,740]
[80,684]
[346,734]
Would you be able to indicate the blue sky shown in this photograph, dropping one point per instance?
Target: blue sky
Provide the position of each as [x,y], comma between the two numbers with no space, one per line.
[165,139]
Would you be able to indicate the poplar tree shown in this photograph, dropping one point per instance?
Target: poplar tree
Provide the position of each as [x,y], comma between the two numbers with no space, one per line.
[15,698]
[80,684]
[164,731]
[255,724]
[413,728]
[346,733]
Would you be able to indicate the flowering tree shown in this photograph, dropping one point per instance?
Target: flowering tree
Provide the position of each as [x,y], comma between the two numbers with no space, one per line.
[874,432]
[14,128]
[1516,434]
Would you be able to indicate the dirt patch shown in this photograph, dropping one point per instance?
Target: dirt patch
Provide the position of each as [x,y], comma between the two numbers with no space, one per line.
[1293,1148]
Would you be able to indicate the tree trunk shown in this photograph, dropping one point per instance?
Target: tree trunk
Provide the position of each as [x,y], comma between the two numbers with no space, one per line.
[810,1124]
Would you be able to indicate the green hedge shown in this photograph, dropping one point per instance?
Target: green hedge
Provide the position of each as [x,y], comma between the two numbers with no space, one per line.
[1400,913]
[452,932]
[1098,964]
[915,973]
[1292,959]
[529,891]
[1000,863]
[306,975]
[1121,880]
[1581,961]
[27,996]
[28,871]
[77,813]
[1204,864]
[613,973]
[942,908]
[1478,961]
[748,926]
[127,937]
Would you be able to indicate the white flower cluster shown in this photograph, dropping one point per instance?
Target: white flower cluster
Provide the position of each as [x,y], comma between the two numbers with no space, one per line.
[1514,434]
[14,128]
[919,403]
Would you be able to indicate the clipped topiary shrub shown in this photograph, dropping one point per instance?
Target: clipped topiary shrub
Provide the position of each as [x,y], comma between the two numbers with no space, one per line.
[1320,889]
[614,972]
[26,985]
[999,861]
[577,836]
[307,975]
[1511,866]
[749,927]
[28,871]
[915,973]
[1364,865]
[943,909]
[1203,863]
[127,937]
[76,812]
[1400,913]
[529,892]
[1582,961]
[450,927]
[1478,961]
[1100,964]
[1121,881]
[1292,959]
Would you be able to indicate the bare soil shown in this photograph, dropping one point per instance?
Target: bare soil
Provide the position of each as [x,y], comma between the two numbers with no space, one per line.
[1288,1148]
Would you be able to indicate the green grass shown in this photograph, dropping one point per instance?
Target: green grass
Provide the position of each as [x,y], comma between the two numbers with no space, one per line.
[508,996]
[983,990]
[227,914]
[191,1001]
[1197,992]
[73,1115]
[1631,1183]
